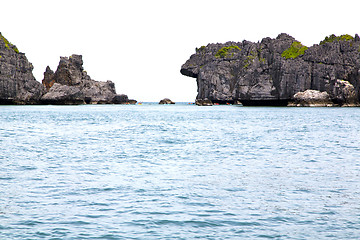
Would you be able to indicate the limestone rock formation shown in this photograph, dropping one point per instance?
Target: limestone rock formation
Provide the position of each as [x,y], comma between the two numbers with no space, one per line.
[345,94]
[48,80]
[272,71]
[123,99]
[70,84]
[166,101]
[17,83]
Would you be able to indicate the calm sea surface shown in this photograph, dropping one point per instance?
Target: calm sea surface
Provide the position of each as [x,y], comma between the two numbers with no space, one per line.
[179,172]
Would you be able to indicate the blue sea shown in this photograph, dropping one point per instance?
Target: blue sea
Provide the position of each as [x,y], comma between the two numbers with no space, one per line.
[179,172]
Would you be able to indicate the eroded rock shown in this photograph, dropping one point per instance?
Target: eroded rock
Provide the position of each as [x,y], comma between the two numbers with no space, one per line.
[345,94]
[70,73]
[272,71]
[63,94]
[312,98]
[69,84]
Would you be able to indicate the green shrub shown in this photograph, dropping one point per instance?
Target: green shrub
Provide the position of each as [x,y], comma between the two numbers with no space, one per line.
[296,49]
[223,52]
[202,48]
[249,59]
[333,37]
[253,55]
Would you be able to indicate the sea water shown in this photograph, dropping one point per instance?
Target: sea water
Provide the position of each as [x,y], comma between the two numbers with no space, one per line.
[179,172]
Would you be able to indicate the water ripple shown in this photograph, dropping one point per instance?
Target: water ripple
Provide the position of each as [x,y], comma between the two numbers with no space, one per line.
[179,172]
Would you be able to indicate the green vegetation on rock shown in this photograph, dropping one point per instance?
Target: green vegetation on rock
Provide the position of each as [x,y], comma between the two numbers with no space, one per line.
[8,44]
[202,48]
[15,49]
[296,49]
[333,37]
[223,52]
[253,55]
[249,59]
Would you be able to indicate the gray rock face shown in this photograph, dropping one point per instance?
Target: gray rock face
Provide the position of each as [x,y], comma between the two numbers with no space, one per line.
[70,84]
[272,71]
[17,83]
[345,94]
[48,80]
[63,94]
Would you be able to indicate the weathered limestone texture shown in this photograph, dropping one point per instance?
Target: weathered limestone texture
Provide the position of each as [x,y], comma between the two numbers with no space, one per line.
[272,71]
[70,84]
[17,83]
[74,86]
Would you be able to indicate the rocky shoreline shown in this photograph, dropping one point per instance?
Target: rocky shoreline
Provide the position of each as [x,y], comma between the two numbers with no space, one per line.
[68,85]
[278,72]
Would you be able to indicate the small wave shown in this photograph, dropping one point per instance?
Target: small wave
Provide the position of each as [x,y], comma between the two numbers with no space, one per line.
[6,178]
[92,216]
[28,168]
[75,223]
[235,189]
[109,237]
[278,219]
[201,204]
[192,223]
[42,234]
[28,223]
[275,236]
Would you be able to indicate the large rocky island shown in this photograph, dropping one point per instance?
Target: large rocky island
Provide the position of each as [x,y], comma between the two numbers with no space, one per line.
[69,84]
[278,72]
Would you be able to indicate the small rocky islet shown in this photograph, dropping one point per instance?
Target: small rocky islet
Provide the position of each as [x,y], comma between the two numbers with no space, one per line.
[68,85]
[278,72]
[166,101]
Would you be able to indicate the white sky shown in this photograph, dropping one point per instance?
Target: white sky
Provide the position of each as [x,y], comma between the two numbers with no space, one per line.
[141,44]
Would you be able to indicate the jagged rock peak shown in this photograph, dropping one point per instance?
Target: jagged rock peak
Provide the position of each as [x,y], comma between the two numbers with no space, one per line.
[75,86]
[285,37]
[48,80]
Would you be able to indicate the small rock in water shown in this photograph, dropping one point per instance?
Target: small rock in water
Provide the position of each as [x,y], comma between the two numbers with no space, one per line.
[166,101]
[312,98]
